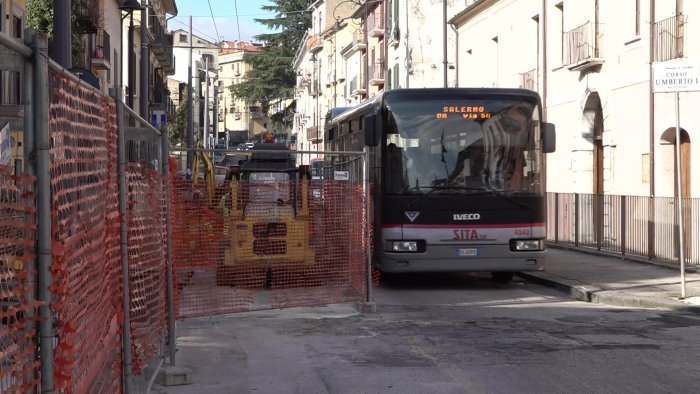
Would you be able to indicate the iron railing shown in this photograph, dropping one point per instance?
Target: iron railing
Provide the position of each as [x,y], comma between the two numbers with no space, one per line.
[668,38]
[627,225]
[376,72]
[580,44]
[528,80]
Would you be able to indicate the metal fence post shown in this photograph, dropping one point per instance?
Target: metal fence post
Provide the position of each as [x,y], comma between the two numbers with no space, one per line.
[623,224]
[652,229]
[121,159]
[599,216]
[576,218]
[368,237]
[556,218]
[43,213]
[29,163]
[168,248]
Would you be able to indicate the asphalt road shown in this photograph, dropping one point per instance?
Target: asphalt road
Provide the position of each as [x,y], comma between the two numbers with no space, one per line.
[444,334]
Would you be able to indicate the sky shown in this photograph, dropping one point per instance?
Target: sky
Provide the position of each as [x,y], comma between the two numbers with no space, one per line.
[212,19]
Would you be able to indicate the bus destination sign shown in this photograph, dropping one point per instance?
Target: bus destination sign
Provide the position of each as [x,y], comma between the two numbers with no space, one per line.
[466,111]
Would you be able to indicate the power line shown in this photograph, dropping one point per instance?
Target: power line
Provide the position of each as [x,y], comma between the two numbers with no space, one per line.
[238,24]
[218,37]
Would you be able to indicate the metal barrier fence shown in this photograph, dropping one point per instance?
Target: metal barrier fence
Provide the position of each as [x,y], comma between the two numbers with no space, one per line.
[629,225]
[84,270]
[264,234]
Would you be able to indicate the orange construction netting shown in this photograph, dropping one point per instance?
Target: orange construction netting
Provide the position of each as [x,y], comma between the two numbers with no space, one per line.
[18,307]
[283,243]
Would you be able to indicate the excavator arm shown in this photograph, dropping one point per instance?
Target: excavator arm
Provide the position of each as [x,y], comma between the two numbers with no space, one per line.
[209,176]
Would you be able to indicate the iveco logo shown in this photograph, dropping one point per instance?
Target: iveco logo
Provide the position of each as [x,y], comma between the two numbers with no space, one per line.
[466,216]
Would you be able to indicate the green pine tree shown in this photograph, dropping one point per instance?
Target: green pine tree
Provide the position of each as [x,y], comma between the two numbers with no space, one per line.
[272,76]
[177,126]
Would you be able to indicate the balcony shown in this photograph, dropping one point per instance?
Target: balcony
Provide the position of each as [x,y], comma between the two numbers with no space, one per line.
[528,80]
[668,38]
[356,87]
[581,49]
[314,87]
[314,44]
[312,134]
[375,23]
[358,42]
[376,73]
[161,44]
[86,17]
[101,56]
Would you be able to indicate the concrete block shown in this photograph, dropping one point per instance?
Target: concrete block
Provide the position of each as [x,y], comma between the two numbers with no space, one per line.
[174,375]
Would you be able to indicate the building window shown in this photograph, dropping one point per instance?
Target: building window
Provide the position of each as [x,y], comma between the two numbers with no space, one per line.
[396,76]
[17,26]
[183,37]
[560,18]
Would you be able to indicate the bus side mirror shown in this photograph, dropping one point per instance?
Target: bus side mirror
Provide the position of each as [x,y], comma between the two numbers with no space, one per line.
[370,128]
[549,138]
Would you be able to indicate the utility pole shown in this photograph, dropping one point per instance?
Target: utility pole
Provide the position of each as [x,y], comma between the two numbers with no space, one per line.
[215,113]
[190,116]
[206,103]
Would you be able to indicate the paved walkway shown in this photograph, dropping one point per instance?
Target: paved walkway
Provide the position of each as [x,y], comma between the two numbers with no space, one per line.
[612,280]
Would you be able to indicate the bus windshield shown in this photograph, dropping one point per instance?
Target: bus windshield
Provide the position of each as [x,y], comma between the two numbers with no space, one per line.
[462,146]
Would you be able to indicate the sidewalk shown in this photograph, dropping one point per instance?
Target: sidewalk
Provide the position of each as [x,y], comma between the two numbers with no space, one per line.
[612,280]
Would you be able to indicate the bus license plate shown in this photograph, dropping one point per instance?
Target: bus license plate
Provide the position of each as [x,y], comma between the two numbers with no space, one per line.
[466,252]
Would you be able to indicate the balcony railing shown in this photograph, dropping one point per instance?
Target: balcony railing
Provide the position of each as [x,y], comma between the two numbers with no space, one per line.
[580,44]
[312,134]
[162,44]
[668,38]
[102,54]
[314,43]
[376,73]
[528,80]
[375,23]
[628,225]
[358,41]
[357,86]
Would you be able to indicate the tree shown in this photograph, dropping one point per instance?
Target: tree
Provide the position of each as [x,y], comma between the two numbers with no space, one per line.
[272,76]
[177,126]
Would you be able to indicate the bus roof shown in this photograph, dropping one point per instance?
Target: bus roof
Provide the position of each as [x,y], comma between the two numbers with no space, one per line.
[377,100]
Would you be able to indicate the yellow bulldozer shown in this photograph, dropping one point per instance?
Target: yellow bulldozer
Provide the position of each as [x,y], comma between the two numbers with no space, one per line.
[267,221]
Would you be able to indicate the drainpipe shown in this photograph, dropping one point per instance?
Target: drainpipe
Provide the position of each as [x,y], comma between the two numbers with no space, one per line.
[144,74]
[652,139]
[452,26]
[544,61]
[408,54]
[444,43]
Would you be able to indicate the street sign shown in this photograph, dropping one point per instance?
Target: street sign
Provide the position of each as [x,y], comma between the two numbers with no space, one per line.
[673,77]
[676,76]
[158,118]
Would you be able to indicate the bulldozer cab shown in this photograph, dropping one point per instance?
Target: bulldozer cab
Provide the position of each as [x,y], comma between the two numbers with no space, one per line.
[268,214]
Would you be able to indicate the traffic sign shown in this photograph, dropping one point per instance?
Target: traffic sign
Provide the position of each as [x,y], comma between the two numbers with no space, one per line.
[676,76]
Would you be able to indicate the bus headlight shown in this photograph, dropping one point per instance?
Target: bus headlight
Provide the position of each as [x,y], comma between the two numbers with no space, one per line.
[404,246]
[526,245]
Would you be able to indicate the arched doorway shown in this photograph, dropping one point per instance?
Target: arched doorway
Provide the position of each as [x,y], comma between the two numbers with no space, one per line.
[682,174]
[668,138]
[593,130]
